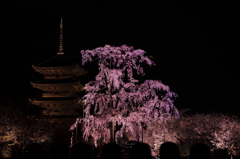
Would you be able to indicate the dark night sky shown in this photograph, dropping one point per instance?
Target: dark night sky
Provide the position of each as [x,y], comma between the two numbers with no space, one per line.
[192,43]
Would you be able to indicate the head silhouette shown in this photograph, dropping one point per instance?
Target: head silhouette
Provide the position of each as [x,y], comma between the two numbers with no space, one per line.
[34,151]
[169,150]
[81,151]
[110,151]
[221,154]
[58,150]
[200,151]
[141,151]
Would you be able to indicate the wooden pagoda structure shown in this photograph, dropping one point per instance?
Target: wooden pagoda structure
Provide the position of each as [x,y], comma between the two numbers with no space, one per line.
[60,87]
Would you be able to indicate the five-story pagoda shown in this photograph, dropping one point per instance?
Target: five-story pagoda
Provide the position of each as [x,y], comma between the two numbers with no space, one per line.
[60,87]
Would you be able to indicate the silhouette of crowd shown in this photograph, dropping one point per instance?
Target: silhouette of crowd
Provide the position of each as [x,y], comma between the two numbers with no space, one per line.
[167,150]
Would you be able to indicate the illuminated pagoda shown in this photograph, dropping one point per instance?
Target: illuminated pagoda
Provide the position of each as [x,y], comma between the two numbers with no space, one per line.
[60,88]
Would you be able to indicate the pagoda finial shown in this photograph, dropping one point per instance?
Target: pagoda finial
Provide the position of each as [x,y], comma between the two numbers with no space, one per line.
[61,38]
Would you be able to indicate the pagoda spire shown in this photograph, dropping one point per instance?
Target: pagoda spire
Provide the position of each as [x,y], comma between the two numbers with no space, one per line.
[61,38]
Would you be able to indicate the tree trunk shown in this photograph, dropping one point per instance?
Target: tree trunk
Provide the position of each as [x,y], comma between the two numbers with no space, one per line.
[76,134]
[112,133]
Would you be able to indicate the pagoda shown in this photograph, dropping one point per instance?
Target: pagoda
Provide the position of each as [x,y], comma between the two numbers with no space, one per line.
[60,87]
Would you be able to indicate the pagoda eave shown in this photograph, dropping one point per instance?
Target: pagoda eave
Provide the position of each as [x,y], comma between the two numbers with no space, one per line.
[59,87]
[61,70]
[45,102]
[61,114]
[53,84]
[55,67]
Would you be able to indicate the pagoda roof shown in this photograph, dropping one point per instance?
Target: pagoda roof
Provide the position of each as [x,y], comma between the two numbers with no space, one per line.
[59,65]
[54,100]
[61,117]
[59,60]
[58,85]
[56,81]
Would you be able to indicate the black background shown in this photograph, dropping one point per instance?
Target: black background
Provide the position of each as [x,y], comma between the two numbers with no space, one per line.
[193,43]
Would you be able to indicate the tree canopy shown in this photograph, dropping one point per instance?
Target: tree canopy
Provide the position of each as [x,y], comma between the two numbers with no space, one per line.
[115,99]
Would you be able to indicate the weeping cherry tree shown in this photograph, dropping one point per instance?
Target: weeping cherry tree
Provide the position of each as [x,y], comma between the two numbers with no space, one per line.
[115,102]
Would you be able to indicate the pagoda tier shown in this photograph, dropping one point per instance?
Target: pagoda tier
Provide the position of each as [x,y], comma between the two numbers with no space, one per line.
[59,65]
[58,86]
[61,70]
[58,106]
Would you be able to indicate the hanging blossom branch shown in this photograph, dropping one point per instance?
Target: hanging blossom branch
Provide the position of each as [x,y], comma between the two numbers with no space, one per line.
[115,97]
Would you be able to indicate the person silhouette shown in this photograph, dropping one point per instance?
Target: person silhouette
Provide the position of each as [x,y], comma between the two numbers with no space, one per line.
[169,150]
[200,151]
[111,151]
[141,151]
[58,150]
[81,151]
[221,154]
[34,151]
